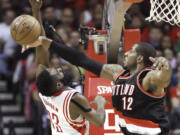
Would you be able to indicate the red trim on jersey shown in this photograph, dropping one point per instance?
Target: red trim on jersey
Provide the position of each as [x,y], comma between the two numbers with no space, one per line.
[57,94]
[143,90]
[66,112]
[123,77]
[82,129]
[119,74]
[138,122]
[65,100]
[126,77]
[60,92]
[79,128]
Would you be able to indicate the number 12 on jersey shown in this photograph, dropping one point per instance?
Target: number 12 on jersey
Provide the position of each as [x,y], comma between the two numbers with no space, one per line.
[127,103]
[55,121]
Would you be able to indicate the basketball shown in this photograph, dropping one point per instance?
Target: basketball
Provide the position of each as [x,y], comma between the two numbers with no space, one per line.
[25,29]
[133,1]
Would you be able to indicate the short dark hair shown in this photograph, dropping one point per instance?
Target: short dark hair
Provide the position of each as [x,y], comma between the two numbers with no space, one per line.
[45,83]
[146,50]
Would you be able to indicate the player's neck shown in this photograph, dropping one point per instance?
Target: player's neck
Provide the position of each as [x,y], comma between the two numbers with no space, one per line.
[137,69]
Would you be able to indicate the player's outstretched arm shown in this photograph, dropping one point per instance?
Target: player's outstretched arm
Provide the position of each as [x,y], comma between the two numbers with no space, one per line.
[78,58]
[42,53]
[108,71]
[158,78]
[80,105]
[116,31]
[36,6]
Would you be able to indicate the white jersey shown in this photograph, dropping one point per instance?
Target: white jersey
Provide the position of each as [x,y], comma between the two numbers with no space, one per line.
[58,109]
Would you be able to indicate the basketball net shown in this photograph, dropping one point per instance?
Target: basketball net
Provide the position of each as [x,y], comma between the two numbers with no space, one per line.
[165,10]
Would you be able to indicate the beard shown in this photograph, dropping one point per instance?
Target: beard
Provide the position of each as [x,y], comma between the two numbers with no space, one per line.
[130,67]
[125,67]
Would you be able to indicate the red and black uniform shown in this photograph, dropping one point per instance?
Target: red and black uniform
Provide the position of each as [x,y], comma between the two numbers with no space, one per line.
[139,111]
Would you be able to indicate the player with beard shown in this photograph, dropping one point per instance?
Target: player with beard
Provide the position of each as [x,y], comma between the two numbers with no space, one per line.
[69,111]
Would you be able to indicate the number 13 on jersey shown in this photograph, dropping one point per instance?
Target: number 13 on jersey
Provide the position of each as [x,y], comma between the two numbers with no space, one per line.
[55,122]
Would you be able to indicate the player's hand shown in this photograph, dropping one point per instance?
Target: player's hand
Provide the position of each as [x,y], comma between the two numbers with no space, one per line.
[36,4]
[34,44]
[42,40]
[99,100]
[160,63]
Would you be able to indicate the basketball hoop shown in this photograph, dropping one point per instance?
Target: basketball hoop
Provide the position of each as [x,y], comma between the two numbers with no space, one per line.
[165,10]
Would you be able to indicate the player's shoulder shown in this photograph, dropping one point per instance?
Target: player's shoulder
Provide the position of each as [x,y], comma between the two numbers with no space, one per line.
[146,72]
[68,91]
[64,94]
[78,97]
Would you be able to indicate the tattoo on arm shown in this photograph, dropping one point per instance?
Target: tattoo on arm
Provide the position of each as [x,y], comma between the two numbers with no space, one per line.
[110,70]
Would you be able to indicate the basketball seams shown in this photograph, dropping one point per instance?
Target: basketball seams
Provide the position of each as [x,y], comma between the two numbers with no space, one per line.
[27,32]
[17,28]
[35,37]
[25,29]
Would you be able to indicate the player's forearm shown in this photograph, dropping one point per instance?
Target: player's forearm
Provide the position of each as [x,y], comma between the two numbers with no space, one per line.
[161,77]
[36,14]
[98,118]
[117,25]
[76,57]
[42,56]
[101,114]
[165,76]
[115,37]
[42,53]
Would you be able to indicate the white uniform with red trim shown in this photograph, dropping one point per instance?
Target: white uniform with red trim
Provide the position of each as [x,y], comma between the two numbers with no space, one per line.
[58,109]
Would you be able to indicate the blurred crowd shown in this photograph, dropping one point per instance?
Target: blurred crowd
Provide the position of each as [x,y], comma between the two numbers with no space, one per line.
[66,16]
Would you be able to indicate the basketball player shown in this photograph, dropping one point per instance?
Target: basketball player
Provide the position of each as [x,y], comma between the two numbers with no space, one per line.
[138,91]
[68,110]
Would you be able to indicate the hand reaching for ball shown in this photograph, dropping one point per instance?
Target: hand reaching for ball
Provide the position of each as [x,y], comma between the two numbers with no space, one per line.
[36,4]
[34,44]
[42,40]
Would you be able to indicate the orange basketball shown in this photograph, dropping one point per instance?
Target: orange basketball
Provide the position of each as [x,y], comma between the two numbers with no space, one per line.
[25,29]
[133,1]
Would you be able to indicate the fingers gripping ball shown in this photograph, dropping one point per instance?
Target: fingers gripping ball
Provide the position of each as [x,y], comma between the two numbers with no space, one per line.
[25,29]
[133,1]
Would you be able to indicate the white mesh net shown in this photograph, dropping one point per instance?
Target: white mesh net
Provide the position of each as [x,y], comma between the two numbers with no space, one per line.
[165,10]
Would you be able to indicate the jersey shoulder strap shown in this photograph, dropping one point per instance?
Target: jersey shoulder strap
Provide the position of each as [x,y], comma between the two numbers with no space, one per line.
[139,80]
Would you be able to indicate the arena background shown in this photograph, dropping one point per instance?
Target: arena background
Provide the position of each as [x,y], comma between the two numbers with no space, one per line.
[21,111]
